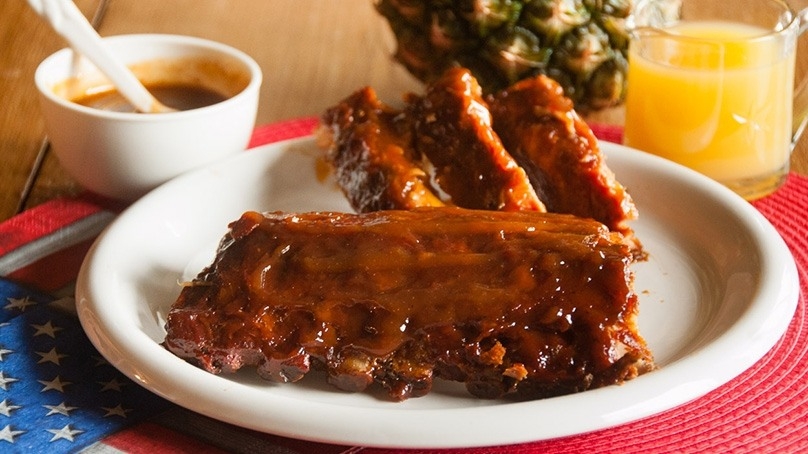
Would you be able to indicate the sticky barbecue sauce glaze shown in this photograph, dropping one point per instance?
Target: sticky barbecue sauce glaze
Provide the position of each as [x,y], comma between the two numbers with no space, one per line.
[523,302]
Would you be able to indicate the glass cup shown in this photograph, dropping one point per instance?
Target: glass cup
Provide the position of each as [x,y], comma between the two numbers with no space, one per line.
[712,86]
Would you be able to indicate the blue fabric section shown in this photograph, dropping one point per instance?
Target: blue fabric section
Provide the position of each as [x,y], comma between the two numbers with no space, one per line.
[57,393]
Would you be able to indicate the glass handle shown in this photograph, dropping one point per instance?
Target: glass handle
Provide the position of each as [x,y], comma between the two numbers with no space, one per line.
[800,112]
[800,120]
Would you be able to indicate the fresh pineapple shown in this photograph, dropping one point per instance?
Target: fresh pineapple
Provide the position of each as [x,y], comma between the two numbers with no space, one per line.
[582,44]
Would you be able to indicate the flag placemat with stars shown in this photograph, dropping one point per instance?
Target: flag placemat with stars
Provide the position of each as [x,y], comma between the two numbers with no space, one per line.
[57,393]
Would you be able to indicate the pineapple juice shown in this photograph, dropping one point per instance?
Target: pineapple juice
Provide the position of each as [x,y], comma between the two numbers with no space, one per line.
[720,103]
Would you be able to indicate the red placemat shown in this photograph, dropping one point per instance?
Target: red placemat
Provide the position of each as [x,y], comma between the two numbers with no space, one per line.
[765,409]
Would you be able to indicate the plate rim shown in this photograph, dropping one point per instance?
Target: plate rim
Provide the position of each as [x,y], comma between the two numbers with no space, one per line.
[104,338]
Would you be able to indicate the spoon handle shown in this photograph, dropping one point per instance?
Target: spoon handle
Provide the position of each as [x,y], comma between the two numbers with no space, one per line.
[66,19]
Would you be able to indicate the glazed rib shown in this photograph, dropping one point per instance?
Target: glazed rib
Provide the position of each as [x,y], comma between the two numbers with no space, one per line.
[452,128]
[372,155]
[523,303]
[539,127]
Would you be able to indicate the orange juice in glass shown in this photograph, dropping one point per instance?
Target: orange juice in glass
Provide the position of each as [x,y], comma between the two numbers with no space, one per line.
[715,92]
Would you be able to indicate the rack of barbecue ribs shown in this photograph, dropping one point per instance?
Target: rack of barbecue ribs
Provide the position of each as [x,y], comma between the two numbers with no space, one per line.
[524,148]
[523,304]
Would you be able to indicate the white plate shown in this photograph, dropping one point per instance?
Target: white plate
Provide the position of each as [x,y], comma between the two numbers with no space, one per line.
[718,291]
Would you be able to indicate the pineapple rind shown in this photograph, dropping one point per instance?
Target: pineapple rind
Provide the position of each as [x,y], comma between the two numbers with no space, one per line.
[582,44]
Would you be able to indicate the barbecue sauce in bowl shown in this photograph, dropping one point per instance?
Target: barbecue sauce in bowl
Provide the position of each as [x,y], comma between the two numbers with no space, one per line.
[180,96]
[182,84]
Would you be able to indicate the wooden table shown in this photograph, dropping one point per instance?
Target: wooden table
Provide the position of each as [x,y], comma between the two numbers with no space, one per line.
[312,54]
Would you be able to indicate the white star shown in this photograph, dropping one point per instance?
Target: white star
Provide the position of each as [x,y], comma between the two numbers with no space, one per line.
[8,434]
[56,384]
[4,381]
[6,408]
[47,329]
[65,433]
[61,409]
[4,351]
[17,303]
[112,385]
[50,357]
[116,411]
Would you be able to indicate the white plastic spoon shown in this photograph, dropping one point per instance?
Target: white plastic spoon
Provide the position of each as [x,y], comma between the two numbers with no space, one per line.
[66,19]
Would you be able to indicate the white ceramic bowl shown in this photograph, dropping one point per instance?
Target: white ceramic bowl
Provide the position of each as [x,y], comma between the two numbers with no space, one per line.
[124,155]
